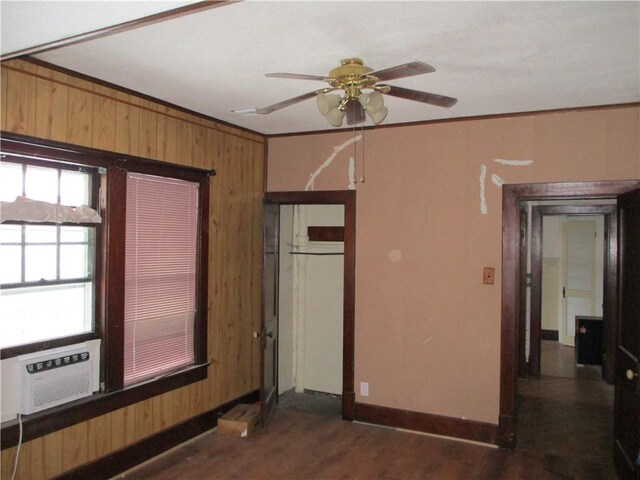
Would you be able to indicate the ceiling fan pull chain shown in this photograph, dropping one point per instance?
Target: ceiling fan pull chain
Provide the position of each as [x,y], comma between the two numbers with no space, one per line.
[363,155]
[355,155]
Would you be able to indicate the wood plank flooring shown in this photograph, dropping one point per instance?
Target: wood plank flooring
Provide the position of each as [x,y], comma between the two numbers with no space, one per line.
[306,440]
[557,360]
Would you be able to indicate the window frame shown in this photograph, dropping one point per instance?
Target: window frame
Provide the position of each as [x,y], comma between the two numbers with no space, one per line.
[110,197]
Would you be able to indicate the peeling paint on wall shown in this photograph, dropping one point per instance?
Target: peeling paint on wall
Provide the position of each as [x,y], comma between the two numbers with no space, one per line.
[352,174]
[496,179]
[499,181]
[514,163]
[483,200]
[329,160]
[395,255]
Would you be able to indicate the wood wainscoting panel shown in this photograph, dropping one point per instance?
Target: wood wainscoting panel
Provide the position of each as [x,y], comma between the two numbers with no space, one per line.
[4,76]
[52,101]
[104,121]
[79,117]
[52,104]
[127,125]
[120,460]
[75,449]
[20,115]
[148,133]
[428,423]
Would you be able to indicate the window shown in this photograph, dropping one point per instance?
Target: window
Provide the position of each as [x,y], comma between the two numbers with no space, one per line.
[48,271]
[137,280]
[160,275]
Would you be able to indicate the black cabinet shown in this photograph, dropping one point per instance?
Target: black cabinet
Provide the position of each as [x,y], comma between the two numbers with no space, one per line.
[589,331]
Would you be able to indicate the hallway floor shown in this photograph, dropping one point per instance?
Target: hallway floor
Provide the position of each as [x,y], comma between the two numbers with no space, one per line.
[568,411]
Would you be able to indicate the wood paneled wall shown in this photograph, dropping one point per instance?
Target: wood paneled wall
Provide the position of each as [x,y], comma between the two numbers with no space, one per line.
[44,103]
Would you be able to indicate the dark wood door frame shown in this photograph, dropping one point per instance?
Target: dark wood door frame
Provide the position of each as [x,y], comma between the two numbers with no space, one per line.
[269,321]
[610,287]
[348,199]
[512,197]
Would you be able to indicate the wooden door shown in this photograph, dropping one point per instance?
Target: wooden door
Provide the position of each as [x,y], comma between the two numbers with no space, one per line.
[627,386]
[269,329]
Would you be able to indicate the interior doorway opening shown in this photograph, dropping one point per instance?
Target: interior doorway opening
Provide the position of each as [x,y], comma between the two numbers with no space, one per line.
[569,271]
[316,294]
[564,406]
[311,283]
[513,261]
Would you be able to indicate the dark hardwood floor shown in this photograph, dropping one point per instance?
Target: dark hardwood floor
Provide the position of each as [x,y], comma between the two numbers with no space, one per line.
[557,360]
[567,411]
[306,439]
[312,402]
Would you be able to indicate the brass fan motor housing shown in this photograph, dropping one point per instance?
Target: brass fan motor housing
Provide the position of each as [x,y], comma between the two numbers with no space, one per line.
[352,77]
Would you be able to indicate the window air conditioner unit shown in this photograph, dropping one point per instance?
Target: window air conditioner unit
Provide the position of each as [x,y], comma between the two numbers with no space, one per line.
[55,377]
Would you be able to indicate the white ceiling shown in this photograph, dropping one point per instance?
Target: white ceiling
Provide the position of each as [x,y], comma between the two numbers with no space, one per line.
[27,24]
[495,57]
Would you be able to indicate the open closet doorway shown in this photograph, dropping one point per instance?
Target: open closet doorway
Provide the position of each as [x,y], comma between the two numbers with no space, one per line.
[316,301]
[310,307]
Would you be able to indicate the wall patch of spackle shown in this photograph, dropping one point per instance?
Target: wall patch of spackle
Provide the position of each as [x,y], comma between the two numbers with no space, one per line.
[336,150]
[395,255]
[496,179]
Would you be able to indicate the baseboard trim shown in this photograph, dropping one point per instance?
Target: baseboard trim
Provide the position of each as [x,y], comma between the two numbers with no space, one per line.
[137,453]
[348,405]
[549,334]
[428,423]
[507,431]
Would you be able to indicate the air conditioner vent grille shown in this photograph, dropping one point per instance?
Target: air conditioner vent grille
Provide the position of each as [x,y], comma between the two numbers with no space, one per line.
[55,377]
[66,388]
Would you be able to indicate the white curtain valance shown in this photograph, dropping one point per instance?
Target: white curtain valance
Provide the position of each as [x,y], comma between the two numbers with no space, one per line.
[28,210]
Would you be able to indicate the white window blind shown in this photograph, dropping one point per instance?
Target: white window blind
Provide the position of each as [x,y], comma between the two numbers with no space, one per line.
[160,276]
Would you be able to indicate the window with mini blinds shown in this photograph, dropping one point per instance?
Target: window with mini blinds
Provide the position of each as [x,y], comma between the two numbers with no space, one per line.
[94,246]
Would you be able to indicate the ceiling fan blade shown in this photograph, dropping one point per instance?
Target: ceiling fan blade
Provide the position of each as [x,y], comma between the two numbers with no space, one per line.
[355,113]
[283,104]
[401,71]
[295,76]
[417,96]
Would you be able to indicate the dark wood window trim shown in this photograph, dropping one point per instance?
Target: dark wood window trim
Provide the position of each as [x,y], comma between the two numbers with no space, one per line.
[111,283]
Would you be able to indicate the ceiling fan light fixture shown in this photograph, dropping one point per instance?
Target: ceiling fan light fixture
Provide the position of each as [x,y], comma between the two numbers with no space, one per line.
[378,116]
[352,77]
[372,101]
[327,102]
[335,116]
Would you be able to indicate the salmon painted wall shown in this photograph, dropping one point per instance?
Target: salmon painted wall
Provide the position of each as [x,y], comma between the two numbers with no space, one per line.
[427,329]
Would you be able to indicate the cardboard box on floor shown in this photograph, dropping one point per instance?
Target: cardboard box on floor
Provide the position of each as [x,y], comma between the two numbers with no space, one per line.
[239,421]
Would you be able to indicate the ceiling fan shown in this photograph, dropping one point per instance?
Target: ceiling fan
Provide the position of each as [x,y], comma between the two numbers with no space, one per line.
[353,77]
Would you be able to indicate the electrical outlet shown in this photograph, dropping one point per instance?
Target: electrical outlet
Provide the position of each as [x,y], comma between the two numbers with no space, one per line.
[364,389]
[488,275]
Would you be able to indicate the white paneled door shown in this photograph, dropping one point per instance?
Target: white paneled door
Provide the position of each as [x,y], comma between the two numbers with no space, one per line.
[580,275]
